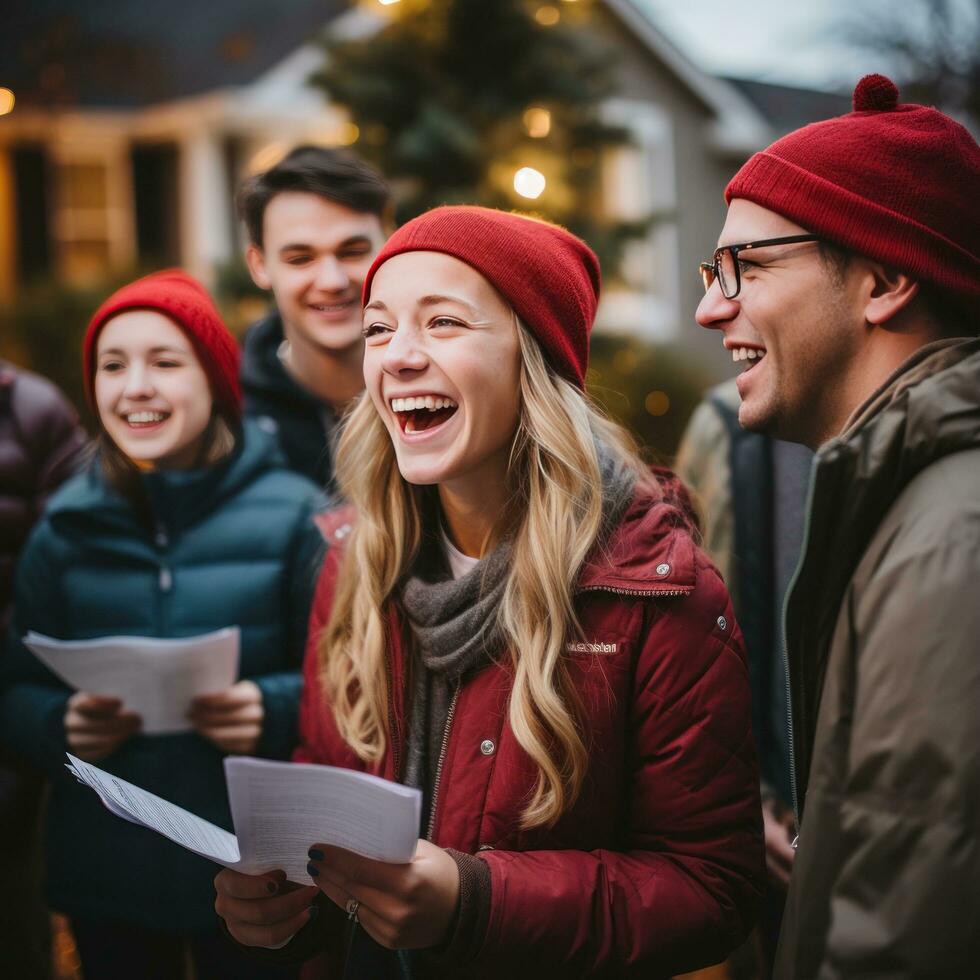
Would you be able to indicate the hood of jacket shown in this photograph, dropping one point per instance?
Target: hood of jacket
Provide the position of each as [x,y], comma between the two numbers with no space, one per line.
[928,409]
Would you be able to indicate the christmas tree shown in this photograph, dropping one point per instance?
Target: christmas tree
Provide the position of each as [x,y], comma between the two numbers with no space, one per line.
[494,102]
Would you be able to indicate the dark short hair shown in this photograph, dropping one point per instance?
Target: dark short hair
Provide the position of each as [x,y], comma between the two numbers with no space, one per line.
[336,175]
[949,311]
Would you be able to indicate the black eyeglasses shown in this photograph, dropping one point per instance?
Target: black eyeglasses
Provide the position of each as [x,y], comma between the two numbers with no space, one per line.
[724,265]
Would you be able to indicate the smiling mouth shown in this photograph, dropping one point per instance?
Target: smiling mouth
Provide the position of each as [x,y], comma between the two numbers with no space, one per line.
[422,412]
[144,420]
[341,307]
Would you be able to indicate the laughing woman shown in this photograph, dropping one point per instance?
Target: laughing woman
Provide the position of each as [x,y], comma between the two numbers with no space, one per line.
[521,625]
[184,523]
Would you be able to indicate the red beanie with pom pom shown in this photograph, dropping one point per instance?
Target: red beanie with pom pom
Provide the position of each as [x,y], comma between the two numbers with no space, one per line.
[898,183]
[182,298]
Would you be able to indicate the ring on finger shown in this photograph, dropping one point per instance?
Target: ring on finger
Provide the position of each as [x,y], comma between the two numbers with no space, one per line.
[351,909]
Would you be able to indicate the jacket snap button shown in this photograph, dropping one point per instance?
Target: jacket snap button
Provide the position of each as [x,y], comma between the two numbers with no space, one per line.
[722,623]
[663,569]
[487,747]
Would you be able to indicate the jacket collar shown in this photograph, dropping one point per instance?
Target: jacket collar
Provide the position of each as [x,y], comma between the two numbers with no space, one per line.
[177,499]
[928,409]
[650,552]
[263,372]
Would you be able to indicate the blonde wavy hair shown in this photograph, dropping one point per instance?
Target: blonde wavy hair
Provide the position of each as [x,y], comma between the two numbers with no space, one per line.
[554,517]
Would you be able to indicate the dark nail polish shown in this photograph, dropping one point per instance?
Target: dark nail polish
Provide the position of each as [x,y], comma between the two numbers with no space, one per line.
[313,911]
[314,854]
[272,887]
[312,871]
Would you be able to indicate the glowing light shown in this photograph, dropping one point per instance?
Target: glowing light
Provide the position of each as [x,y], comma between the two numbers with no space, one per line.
[7,101]
[529,182]
[537,122]
[547,16]
[348,134]
[657,403]
[387,3]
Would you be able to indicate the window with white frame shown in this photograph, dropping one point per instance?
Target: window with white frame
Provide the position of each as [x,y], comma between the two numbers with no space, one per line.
[639,182]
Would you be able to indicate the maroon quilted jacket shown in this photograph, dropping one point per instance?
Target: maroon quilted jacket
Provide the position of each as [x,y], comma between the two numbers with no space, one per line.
[657,868]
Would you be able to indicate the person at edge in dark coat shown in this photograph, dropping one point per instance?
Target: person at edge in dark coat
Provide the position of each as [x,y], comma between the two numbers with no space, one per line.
[751,492]
[848,278]
[315,222]
[185,522]
[41,445]
[515,618]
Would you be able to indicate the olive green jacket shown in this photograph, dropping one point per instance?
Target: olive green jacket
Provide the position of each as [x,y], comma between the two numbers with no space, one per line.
[883,634]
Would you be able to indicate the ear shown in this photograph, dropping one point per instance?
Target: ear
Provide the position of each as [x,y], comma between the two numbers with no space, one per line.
[255,259]
[891,292]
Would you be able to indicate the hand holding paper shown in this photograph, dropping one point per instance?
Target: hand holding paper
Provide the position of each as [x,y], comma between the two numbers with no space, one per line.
[263,910]
[279,810]
[232,719]
[96,726]
[154,678]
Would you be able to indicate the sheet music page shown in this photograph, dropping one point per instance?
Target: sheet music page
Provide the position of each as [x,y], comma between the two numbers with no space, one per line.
[148,810]
[156,678]
[281,809]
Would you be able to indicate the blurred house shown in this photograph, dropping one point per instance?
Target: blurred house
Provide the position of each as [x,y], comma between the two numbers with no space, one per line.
[134,123]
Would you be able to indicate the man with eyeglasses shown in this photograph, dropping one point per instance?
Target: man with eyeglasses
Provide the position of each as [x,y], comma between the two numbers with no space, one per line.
[847,286]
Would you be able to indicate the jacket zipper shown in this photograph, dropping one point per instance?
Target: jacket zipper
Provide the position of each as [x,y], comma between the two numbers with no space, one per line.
[395,758]
[646,593]
[785,645]
[165,579]
[442,756]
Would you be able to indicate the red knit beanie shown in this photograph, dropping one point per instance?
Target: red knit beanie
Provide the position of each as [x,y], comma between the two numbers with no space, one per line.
[897,183]
[182,298]
[550,277]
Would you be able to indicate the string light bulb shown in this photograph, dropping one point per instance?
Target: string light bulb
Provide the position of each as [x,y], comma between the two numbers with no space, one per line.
[529,183]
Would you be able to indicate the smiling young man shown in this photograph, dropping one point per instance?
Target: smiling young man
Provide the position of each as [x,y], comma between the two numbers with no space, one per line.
[315,222]
[847,284]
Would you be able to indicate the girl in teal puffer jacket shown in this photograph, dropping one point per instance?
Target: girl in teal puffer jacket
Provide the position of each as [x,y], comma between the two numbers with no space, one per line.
[185,523]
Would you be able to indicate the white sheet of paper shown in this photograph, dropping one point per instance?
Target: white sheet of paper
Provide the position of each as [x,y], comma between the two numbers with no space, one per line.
[279,809]
[148,810]
[157,678]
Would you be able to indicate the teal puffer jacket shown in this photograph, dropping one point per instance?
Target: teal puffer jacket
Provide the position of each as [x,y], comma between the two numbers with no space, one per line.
[231,545]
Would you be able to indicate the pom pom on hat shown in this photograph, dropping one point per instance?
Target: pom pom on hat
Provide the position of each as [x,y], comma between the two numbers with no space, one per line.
[548,275]
[875,93]
[185,301]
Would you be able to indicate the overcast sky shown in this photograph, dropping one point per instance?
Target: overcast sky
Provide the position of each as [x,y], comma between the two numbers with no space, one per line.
[794,43]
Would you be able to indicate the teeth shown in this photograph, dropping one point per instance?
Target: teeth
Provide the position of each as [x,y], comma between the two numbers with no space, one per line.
[431,403]
[747,354]
[135,417]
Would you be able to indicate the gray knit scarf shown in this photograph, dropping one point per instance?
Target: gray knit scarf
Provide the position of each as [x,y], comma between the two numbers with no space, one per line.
[456,626]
